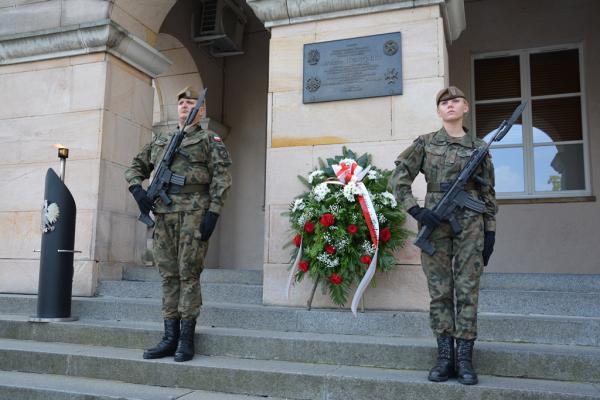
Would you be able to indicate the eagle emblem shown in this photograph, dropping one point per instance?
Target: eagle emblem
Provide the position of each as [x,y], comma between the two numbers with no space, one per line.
[50,213]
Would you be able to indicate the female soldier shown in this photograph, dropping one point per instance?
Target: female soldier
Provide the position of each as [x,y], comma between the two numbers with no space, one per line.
[455,268]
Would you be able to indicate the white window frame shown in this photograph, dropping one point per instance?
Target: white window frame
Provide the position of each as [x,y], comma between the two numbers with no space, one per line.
[527,140]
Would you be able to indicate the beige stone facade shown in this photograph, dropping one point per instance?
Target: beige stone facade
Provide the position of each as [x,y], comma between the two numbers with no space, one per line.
[99,76]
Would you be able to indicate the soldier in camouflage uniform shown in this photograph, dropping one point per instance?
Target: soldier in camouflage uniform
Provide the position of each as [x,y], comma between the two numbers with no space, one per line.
[454,270]
[183,228]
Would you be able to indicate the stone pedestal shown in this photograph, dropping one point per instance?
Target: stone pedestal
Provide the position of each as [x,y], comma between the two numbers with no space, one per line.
[299,134]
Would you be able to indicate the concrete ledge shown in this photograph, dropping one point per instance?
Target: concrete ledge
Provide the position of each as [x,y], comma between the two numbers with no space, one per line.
[582,331]
[211,292]
[284,12]
[100,36]
[555,362]
[22,385]
[271,378]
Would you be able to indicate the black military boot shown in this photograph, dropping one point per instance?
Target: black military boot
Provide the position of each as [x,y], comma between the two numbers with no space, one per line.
[185,347]
[444,368]
[464,364]
[168,344]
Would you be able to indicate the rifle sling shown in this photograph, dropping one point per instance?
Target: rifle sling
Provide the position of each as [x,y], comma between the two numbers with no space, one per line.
[444,186]
[200,188]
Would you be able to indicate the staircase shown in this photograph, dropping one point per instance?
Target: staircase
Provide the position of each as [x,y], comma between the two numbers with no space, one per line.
[539,339]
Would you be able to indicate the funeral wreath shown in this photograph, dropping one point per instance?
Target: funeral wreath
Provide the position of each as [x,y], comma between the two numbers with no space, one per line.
[347,225]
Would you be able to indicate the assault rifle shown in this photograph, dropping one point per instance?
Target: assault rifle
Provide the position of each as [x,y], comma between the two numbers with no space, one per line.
[164,177]
[456,196]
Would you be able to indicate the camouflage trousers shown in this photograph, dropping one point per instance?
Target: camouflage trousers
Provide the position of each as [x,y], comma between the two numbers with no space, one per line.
[453,272]
[179,255]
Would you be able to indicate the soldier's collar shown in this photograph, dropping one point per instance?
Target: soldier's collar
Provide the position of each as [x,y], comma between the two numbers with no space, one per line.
[441,137]
[193,127]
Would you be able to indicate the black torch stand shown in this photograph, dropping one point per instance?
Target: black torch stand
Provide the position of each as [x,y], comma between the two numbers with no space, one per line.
[56,255]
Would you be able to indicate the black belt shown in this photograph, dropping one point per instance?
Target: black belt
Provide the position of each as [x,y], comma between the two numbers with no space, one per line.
[444,186]
[200,188]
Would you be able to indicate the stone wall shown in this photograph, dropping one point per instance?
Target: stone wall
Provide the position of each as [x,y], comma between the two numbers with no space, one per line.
[298,134]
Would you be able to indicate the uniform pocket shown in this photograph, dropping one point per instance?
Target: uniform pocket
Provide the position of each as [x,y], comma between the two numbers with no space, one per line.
[194,164]
[158,149]
[433,165]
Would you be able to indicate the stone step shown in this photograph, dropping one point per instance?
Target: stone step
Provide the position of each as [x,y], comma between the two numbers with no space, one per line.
[209,275]
[547,294]
[268,377]
[30,386]
[211,292]
[541,329]
[584,304]
[544,282]
[555,362]
[497,301]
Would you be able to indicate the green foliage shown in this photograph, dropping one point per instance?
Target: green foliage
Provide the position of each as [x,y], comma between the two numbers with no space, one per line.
[338,269]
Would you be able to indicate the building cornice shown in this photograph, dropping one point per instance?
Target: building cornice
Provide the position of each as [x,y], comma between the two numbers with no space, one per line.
[100,36]
[287,12]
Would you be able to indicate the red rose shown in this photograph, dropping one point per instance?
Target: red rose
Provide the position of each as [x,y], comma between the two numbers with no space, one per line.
[385,235]
[327,220]
[330,249]
[352,229]
[365,259]
[335,279]
[297,240]
[309,227]
[303,265]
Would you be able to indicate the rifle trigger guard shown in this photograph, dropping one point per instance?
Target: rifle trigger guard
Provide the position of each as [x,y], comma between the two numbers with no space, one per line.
[166,199]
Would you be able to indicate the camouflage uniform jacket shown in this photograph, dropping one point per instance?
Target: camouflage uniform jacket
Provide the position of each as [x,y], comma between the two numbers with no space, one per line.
[440,158]
[204,161]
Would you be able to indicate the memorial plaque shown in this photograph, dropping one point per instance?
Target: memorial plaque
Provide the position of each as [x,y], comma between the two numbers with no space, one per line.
[369,66]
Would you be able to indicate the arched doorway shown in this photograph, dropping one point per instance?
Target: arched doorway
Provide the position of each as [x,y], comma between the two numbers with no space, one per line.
[237,110]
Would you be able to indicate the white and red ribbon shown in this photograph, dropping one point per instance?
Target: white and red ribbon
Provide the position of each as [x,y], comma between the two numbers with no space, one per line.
[350,172]
[293,270]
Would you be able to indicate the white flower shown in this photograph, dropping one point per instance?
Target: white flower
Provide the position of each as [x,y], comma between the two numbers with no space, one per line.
[334,209]
[329,261]
[320,191]
[315,174]
[298,205]
[372,174]
[305,216]
[302,219]
[350,190]
[368,248]
[340,244]
[389,199]
[381,218]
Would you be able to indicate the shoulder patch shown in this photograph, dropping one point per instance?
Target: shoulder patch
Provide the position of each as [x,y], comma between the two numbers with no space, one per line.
[217,138]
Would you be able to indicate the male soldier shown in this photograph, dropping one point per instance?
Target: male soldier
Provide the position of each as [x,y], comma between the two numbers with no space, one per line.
[440,156]
[183,228]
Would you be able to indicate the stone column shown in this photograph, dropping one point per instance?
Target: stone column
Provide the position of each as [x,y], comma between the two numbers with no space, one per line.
[86,86]
[299,134]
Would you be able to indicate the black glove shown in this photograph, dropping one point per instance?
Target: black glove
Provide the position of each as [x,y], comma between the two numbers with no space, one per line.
[143,201]
[208,225]
[489,239]
[425,216]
